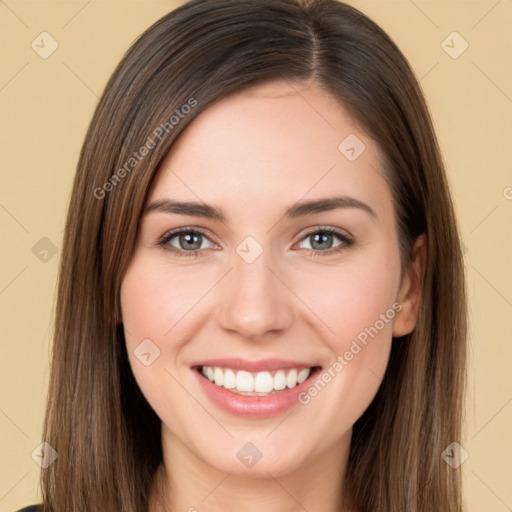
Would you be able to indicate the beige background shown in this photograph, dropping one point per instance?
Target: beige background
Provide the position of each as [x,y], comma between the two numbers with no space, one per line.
[46,105]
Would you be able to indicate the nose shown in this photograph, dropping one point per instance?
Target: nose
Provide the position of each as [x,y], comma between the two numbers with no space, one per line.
[255,299]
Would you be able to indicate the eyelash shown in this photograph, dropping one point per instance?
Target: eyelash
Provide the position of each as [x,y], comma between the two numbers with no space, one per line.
[345,239]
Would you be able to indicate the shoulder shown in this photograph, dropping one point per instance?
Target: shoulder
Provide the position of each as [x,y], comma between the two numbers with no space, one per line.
[32,508]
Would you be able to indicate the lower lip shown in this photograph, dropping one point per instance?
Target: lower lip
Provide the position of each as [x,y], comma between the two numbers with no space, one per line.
[253,406]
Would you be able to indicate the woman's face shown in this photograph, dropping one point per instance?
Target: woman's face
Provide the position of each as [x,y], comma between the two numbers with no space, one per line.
[255,293]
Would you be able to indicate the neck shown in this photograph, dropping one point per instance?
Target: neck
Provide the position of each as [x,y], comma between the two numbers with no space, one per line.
[184,482]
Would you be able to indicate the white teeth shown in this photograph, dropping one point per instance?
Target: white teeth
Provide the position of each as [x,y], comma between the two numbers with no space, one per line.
[279,380]
[260,383]
[291,379]
[218,376]
[229,379]
[303,375]
[263,383]
[244,381]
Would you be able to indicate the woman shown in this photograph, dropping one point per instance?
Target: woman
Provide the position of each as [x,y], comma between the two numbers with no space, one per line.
[204,357]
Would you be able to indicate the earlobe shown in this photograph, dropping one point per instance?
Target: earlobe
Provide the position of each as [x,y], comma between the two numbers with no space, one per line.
[410,293]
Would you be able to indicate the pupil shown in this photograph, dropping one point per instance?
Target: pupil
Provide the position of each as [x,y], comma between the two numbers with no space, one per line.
[324,236]
[188,238]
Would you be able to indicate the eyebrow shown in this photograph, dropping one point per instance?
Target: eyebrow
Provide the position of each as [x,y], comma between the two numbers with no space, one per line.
[298,209]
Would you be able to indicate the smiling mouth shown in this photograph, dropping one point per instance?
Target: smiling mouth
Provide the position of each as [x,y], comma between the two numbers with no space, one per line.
[263,383]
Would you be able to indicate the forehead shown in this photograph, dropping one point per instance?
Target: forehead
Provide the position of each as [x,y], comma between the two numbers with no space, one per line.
[275,143]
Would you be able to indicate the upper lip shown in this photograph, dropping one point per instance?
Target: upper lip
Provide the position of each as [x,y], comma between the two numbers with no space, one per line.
[238,363]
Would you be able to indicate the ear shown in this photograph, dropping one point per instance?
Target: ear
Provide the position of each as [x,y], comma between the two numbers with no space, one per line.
[409,294]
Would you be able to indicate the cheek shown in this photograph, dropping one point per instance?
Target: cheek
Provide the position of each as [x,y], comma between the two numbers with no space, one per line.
[157,300]
[351,297]
[355,303]
[157,304]
[161,303]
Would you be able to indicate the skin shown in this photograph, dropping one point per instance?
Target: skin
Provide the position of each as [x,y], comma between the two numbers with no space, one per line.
[252,155]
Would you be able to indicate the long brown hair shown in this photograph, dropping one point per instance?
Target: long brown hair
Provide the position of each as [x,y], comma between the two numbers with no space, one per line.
[106,434]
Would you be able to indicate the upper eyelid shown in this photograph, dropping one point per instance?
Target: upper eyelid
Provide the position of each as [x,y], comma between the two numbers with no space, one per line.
[178,231]
[317,228]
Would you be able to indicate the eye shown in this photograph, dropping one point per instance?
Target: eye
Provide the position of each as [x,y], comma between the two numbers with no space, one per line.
[191,241]
[184,242]
[321,241]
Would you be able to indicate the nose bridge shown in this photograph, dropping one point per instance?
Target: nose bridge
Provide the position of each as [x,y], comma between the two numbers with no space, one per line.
[254,300]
